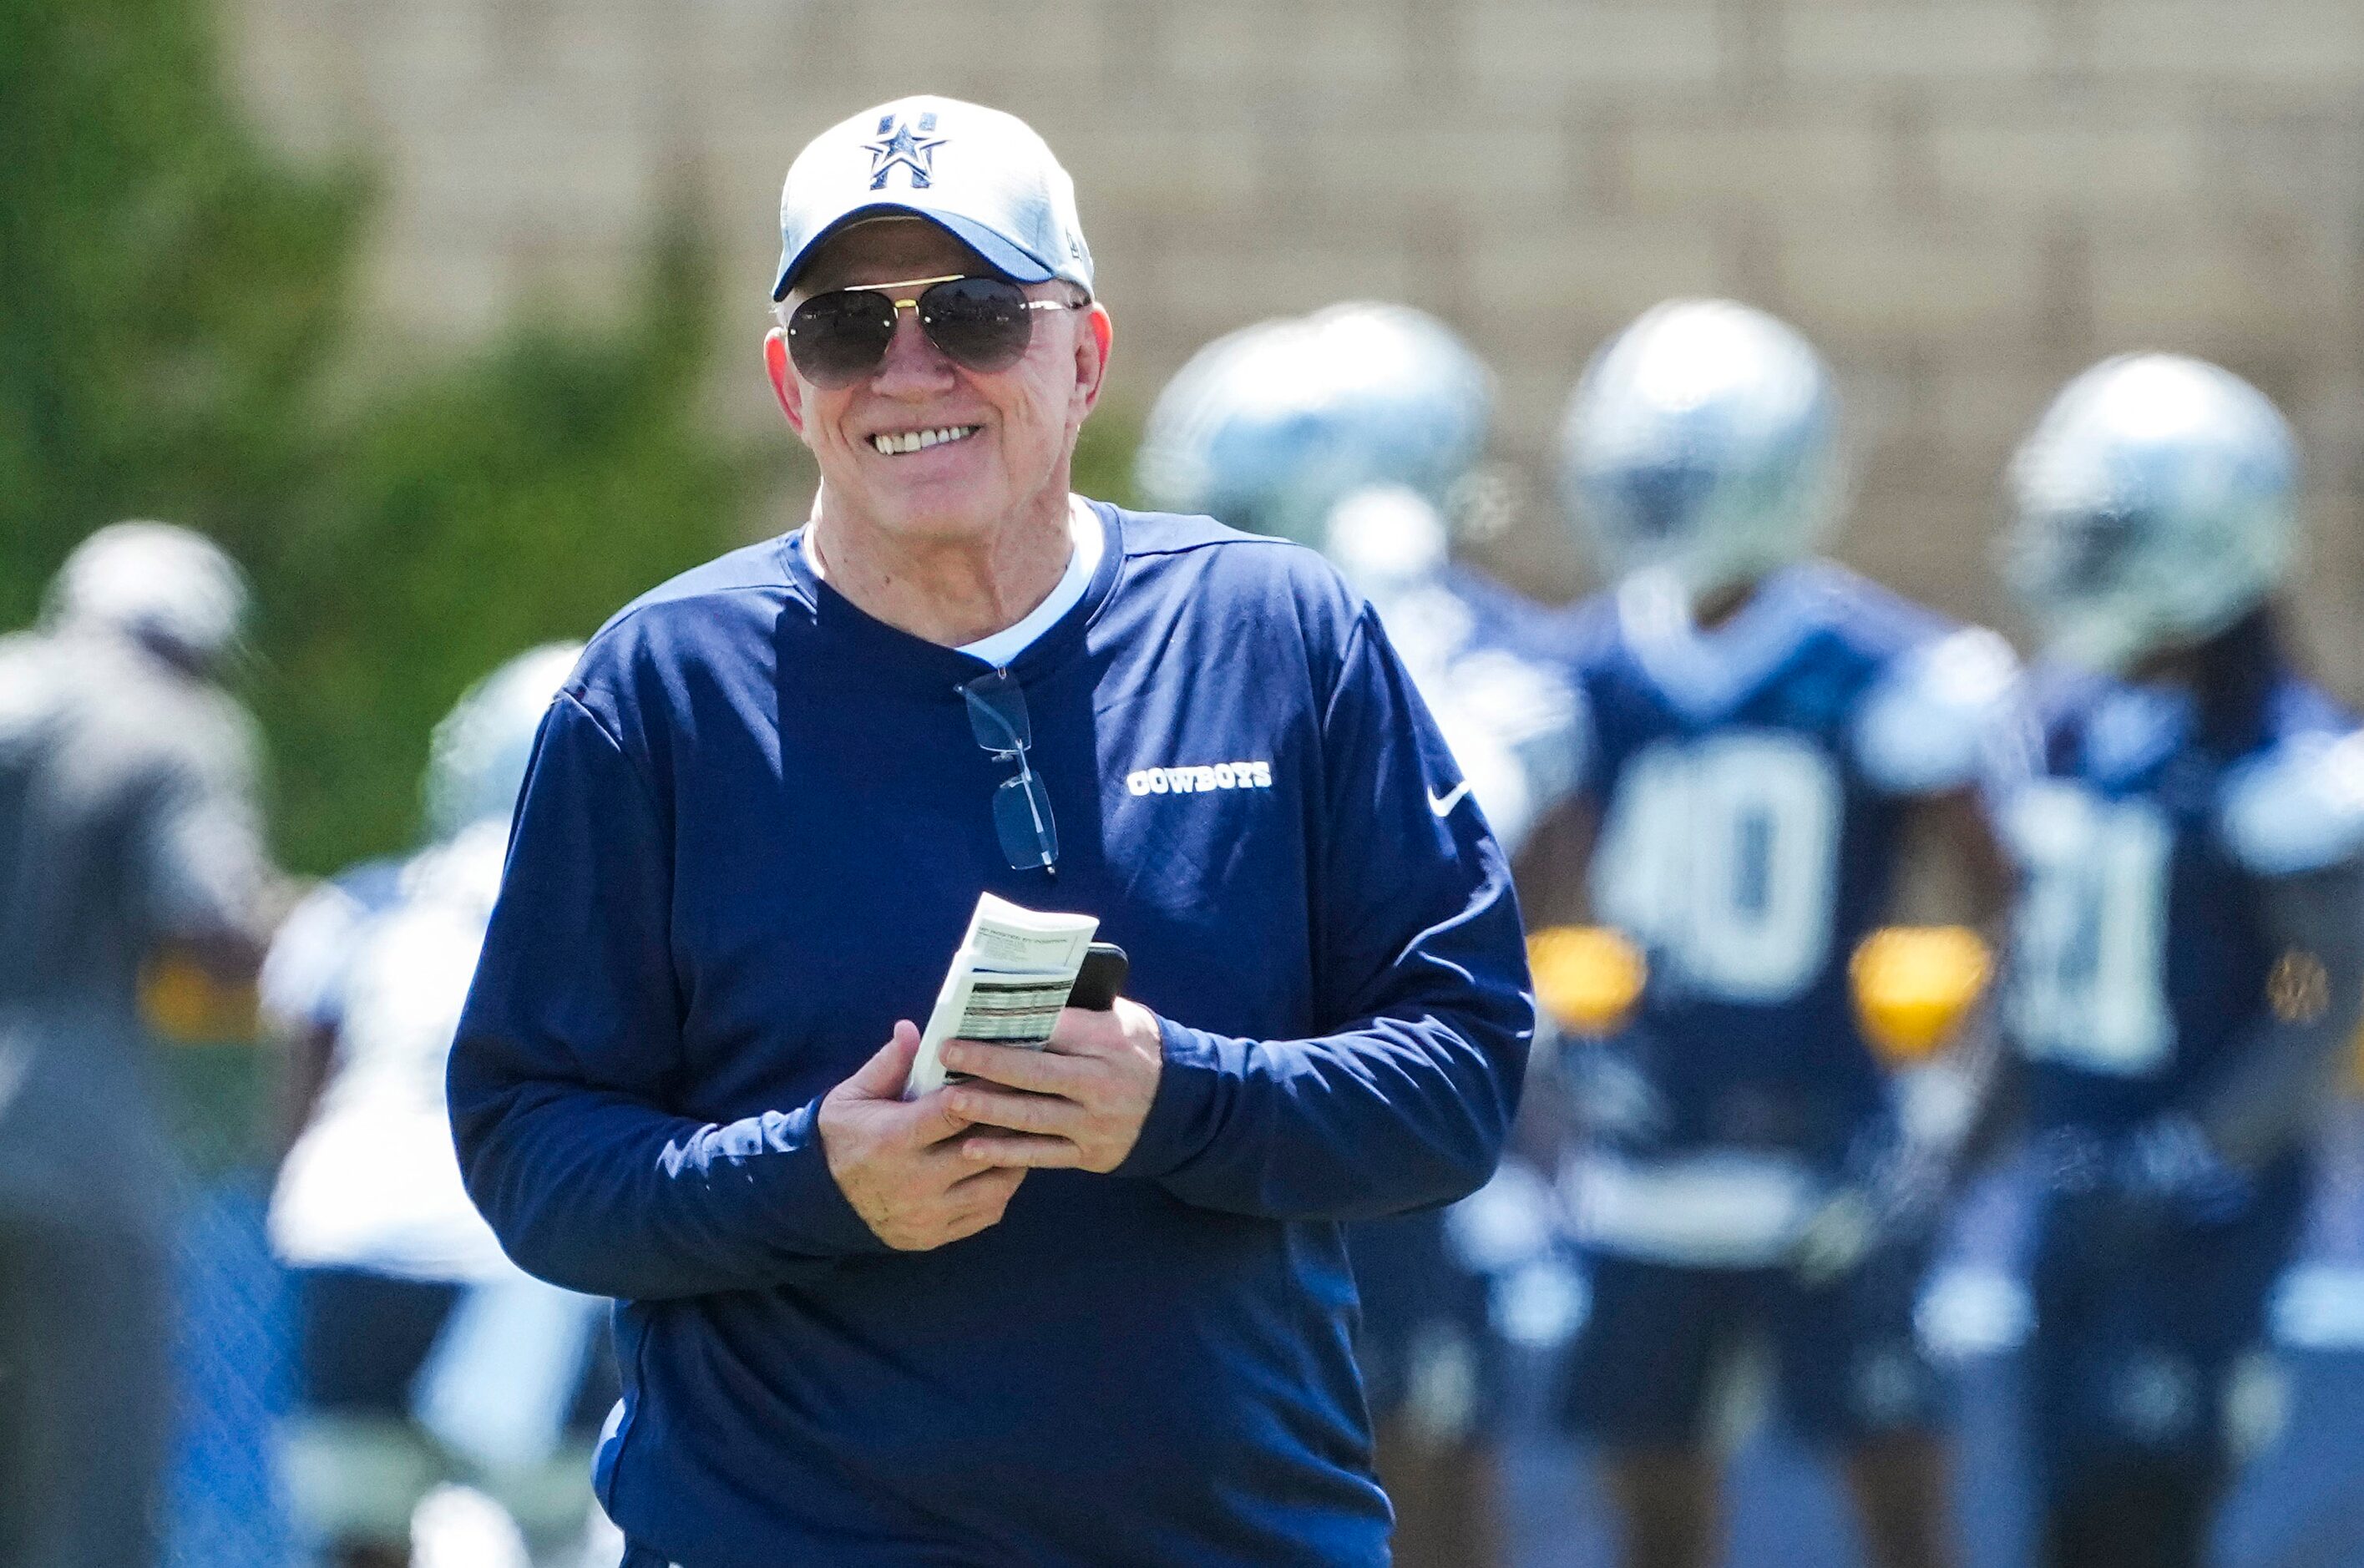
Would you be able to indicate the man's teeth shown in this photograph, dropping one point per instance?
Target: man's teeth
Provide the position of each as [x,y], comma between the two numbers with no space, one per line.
[917,440]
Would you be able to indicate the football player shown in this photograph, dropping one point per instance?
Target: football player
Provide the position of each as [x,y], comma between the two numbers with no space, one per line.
[133,843]
[427,1359]
[1358,431]
[1765,737]
[2184,968]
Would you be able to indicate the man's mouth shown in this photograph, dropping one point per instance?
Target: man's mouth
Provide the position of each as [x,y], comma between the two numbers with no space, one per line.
[895,443]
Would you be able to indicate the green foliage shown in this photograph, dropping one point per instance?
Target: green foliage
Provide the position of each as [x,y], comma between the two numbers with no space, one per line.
[172,307]
[1103,466]
[168,291]
[520,496]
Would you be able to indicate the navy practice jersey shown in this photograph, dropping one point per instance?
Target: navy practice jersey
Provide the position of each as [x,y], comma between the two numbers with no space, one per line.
[2139,947]
[1750,783]
[757,825]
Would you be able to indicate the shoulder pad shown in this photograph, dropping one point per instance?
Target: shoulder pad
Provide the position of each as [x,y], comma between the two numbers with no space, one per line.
[303,974]
[297,989]
[1870,619]
[2298,807]
[1929,723]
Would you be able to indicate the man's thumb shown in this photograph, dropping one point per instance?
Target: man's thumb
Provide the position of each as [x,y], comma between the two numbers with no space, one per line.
[883,1076]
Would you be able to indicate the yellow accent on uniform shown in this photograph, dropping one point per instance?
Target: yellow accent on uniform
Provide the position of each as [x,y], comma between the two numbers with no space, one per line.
[2299,990]
[1587,977]
[1914,984]
[185,1006]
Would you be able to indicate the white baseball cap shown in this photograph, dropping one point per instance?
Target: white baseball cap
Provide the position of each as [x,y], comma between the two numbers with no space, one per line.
[981,174]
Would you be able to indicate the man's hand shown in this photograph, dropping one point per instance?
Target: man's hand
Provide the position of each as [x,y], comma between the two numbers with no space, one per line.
[1078,1102]
[904,1166]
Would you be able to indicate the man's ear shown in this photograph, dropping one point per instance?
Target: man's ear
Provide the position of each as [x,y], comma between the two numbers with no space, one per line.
[1092,347]
[784,385]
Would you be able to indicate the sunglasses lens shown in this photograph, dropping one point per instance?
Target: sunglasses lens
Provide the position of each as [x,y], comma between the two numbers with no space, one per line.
[997,713]
[980,322]
[836,338]
[1021,819]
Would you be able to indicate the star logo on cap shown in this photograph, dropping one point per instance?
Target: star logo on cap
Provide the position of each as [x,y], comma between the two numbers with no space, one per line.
[898,145]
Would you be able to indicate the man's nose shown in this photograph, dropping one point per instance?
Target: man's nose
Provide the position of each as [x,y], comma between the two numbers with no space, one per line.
[913,362]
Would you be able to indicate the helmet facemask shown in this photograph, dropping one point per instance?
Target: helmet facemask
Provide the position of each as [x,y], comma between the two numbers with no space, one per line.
[2155,506]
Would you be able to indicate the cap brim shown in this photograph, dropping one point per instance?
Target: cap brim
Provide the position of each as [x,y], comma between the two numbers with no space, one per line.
[1003,256]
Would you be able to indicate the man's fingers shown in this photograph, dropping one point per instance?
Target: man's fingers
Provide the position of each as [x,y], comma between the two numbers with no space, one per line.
[995,1180]
[934,1118]
[980,1202]
[1030,1150]
[883,1076]
[1017,1110]
[1037,1071]
[1086,1031]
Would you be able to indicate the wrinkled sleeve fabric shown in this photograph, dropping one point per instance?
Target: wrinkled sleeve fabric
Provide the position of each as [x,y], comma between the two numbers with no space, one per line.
[1419,971]
[558,1078]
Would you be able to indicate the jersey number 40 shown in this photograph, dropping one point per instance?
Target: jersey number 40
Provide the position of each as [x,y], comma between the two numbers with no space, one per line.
[1720,857]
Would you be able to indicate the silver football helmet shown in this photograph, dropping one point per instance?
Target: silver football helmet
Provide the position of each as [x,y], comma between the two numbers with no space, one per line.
[1269,428]
[167,588]
[476,762]
[2155,504]
[1703,441]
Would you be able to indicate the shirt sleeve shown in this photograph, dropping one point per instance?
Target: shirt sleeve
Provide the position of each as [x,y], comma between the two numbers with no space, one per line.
[1419,960]
[571,1032]
[2274,1083]
[2293,817]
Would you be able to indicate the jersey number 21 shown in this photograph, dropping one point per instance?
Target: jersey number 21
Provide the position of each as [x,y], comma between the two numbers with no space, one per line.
[2090,934]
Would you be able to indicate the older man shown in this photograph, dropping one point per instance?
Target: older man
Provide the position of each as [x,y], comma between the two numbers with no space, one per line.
[1089,1305]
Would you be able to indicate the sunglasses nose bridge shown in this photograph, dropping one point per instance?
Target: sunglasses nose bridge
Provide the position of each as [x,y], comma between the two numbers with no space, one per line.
[911,350]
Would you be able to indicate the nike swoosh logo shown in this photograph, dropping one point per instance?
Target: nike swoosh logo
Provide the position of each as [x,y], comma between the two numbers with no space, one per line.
[1442,804]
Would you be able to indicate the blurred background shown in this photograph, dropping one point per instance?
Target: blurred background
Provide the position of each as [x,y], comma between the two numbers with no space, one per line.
[443,317]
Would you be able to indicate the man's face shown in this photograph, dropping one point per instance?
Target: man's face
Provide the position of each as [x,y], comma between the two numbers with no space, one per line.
[1018,425]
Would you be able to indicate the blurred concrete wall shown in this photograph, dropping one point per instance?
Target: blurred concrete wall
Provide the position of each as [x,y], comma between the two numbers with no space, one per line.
[1964,201]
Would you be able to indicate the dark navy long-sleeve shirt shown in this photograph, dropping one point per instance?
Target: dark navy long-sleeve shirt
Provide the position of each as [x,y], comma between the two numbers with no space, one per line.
[756,827]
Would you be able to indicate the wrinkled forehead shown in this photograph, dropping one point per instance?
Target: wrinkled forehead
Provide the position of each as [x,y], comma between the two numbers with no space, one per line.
[886,249]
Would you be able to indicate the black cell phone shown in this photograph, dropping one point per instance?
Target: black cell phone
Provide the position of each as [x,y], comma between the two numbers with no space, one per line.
[1102,979]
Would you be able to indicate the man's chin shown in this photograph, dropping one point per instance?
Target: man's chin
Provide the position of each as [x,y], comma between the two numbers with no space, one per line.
[946,509]
[939,514]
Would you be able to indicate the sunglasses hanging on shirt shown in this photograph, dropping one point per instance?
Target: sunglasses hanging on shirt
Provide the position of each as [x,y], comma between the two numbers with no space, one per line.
[1021,806]
[979,324]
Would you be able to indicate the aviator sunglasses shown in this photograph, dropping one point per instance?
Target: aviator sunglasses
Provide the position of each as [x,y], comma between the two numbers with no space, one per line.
[980,324]
[1021,806]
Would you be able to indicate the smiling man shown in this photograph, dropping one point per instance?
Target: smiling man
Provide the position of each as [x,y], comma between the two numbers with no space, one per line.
[1089,1305]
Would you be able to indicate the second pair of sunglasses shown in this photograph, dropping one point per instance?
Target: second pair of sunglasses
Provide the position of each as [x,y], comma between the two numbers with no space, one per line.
[980,324]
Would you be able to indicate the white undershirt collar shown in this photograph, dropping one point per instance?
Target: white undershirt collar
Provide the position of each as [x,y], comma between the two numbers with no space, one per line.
[1090,544]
